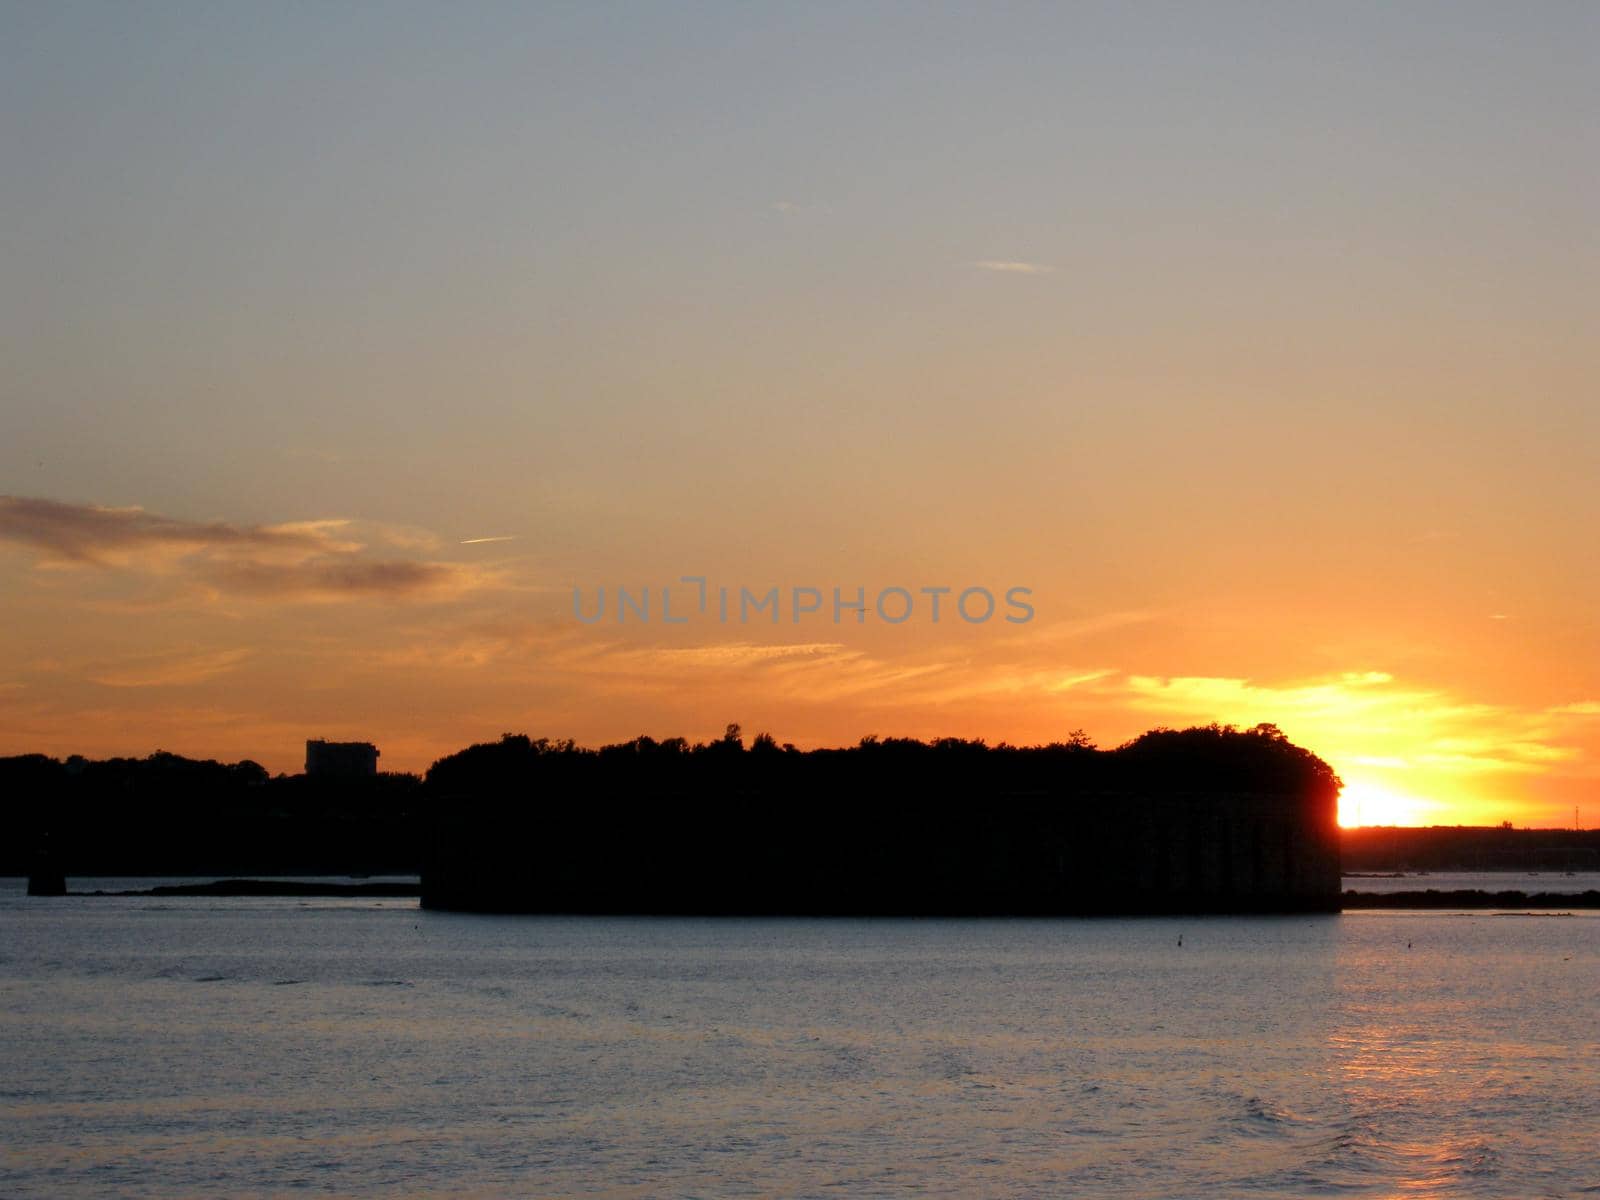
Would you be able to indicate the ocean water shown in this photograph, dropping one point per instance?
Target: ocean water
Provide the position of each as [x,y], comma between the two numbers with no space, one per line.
[204,1047]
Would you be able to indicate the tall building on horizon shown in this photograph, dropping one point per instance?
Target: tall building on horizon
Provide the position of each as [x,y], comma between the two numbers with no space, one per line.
[342,759]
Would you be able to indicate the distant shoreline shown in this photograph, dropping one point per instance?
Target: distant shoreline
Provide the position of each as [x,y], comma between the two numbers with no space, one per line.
[1468,898]
[268,887]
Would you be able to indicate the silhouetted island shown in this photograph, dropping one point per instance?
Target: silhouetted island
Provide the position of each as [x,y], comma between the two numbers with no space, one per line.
[170,815]
[1212,819]
[1397,851]
[1203,820]
[1473,898]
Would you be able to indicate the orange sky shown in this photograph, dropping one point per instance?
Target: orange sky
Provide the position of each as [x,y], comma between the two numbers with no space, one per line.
[339,352]
[133,632]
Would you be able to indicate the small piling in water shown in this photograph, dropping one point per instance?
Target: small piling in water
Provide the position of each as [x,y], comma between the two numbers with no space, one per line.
[45,874]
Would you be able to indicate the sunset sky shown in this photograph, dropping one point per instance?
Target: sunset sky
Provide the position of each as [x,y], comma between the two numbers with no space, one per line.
[339,344]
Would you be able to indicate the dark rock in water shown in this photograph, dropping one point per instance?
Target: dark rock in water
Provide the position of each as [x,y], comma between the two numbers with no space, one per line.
[48,882]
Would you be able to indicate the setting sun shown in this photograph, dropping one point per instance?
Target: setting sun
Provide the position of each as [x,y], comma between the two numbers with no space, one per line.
[1362,803]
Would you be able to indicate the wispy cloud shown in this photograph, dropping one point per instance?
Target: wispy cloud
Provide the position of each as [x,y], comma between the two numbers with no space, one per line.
[737,654]
[1013,267]
[169,670]
[478,541]
[333,579]
[90,533]
[1582,708]
[307,560]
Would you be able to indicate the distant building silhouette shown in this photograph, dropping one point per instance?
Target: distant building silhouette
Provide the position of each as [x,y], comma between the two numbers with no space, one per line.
[341,759]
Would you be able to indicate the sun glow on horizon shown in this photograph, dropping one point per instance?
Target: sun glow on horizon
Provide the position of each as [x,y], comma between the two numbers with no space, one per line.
[1365,803]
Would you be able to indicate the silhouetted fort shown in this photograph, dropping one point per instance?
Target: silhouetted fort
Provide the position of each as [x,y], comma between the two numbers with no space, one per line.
[1200,820]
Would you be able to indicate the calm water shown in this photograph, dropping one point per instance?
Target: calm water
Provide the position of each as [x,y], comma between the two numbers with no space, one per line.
[207,1047]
